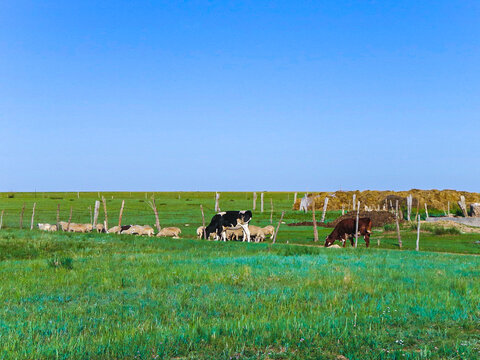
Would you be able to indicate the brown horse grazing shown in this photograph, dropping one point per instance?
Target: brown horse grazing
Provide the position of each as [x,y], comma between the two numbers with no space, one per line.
[345,229]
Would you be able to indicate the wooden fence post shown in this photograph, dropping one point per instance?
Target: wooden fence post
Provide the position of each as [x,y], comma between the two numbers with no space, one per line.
[58,217]
[70,218]
[294,198]
[1,219]
[417,246]
[91,216]
[105,223]
[261,202]
[409,206]
[315,230]
[463,206]
[398,226]
[217,197]
[95,213]
[356,225]
[426,211]
[448,209]
[353,201]
[121,213]
[203,223]
[33,216]
[278,227]
[271,210]
[21,216]
[325,204]
[343,209]
[254,201]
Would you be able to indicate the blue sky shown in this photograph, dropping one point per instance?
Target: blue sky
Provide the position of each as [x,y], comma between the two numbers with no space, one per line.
[239,95]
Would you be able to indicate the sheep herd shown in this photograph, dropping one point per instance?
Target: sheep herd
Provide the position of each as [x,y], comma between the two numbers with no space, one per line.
[125,229]
[257,233]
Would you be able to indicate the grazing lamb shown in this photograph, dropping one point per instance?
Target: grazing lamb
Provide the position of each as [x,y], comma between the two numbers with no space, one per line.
[260,236]
[269,230]
[80,228]
[255,230]
[139,230]
[170,232]
[234,234]
[114,230]
[212,236]
[63,225]
[47,227]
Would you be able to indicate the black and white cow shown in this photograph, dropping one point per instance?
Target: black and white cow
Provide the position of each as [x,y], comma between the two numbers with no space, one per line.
[229,220]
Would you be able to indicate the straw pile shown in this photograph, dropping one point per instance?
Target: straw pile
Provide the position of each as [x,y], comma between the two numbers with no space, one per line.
[435,199]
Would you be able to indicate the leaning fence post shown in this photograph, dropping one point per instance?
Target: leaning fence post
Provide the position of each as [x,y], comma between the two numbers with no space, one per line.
[69,218]
[398,225]
[271,210]
[278,227]
[426,211]
[417,247]
[315,231]
[121,213]
[356,224]
[154,208]
[105,223]
[1,219]
[203,223]
[325,204]
[21,216]
[33,216]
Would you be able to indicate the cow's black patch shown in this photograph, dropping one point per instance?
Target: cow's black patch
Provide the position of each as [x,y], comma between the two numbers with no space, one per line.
[227,219]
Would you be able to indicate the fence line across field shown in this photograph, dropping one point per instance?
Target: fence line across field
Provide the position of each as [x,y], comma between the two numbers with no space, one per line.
[13,217]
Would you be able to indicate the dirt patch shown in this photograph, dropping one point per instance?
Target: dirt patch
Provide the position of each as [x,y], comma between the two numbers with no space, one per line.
[452,224]
[379,219]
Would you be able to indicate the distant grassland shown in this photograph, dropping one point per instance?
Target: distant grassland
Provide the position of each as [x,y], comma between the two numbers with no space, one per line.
[106,296]
[148,298]
[182,209]
[175,208]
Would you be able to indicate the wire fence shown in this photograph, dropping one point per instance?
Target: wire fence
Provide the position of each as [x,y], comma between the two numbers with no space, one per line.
[12,216]
[136,211]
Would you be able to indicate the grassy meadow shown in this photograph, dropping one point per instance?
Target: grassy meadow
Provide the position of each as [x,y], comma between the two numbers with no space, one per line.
[106,296]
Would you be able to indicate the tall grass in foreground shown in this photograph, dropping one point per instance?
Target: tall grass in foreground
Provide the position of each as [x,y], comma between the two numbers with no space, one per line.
[148,298]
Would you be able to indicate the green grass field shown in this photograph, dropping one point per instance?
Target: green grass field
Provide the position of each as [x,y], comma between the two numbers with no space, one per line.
[105,296]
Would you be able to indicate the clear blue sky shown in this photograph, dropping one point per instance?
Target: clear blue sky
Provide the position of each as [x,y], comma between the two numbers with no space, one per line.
[239,95]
